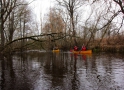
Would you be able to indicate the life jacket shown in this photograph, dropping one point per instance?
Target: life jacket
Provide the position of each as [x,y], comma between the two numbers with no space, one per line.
[75,48]
[83,48]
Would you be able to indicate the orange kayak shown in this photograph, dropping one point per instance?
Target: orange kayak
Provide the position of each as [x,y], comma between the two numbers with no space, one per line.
[82,52]
[56,50]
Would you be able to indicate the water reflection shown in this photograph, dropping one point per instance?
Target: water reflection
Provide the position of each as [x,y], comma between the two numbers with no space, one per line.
[63,71]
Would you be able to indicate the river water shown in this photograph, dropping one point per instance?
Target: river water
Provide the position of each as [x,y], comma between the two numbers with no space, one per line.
[39,70]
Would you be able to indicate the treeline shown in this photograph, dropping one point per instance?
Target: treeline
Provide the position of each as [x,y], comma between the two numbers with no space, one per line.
[15,22]
[97,24]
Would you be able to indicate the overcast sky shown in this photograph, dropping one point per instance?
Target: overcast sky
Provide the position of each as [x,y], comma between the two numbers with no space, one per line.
[40,7]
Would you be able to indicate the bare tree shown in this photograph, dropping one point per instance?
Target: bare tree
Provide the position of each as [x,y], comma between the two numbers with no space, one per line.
[54,24]
[115,11]
[121,4]
[13,13]
[6,9]
[71,6]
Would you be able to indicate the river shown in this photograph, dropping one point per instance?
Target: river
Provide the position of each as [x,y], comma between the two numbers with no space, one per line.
[39,70]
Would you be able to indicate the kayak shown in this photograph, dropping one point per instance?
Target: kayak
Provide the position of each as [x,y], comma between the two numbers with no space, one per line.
[86,52]
[56,50]
[82,52]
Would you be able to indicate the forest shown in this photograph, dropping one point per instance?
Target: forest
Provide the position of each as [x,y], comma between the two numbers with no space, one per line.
[96,23]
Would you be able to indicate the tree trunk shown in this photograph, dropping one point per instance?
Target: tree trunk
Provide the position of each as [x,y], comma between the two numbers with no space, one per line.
[11,31]
[2,29]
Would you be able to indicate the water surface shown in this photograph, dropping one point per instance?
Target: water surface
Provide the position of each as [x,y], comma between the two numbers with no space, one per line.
[37,70]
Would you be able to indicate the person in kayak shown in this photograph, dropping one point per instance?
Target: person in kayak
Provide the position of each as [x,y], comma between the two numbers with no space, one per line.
[55,48]
[83,48]
[75,48]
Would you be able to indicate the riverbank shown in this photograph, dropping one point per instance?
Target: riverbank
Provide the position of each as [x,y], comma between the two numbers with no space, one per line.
[109,48]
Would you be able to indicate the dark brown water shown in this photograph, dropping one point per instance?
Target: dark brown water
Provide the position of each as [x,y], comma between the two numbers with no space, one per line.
[62,71]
